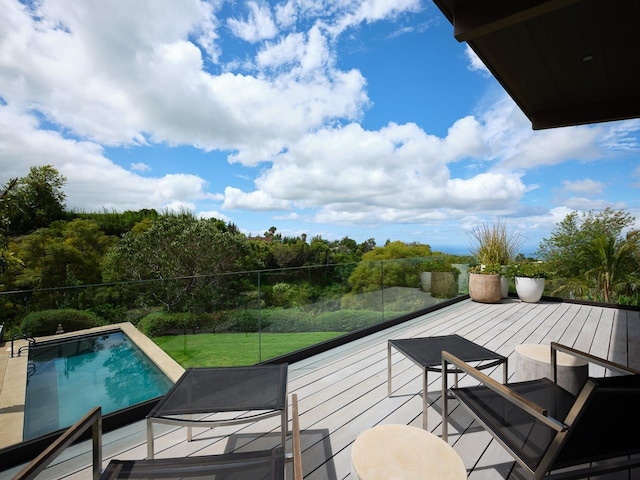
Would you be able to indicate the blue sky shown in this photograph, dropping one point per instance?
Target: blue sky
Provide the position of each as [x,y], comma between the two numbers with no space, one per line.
[336,118]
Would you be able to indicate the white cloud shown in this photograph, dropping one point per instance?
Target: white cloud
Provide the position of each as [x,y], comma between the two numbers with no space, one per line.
[586,204]
[139,77]
[140,167]
[258,26]
[475,64]
[93,181]
[515,146]
[585,186]
[214,214]
[371,11]
[396,174]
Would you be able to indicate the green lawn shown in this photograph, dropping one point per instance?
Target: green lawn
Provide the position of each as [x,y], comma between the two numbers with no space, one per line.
[225,349]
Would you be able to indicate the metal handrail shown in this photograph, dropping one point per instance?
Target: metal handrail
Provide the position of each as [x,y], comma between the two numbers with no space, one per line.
[31,340]
[92,420]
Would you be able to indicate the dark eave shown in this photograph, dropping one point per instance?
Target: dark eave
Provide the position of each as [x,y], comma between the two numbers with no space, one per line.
[564,62]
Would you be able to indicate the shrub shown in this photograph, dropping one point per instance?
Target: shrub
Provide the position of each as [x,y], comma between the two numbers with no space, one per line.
[163,323]
[45,322]
[530,270]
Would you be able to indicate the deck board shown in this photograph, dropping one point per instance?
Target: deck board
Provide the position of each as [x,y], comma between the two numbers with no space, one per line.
[343,391]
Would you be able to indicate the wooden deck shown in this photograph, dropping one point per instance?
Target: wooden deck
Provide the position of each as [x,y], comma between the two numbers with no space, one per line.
[343,392]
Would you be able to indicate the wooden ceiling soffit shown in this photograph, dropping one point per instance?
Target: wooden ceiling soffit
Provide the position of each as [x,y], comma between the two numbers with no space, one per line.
[622,109]
[473,19]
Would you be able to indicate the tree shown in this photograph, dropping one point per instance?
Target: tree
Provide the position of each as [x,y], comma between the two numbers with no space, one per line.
[4,223]
[62,255]
[190,258]
[36,201]
[616,260]
[590,254]
[369,275]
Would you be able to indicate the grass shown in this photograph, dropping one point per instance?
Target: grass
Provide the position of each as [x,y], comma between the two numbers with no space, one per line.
[234,349]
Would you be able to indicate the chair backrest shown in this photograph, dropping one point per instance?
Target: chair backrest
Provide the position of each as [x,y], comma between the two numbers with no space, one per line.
[601,423]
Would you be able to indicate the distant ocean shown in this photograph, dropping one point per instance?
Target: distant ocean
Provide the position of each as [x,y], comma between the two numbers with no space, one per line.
[528,251]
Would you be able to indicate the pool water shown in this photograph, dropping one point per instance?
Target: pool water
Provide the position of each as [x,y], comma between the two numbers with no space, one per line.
[72,376]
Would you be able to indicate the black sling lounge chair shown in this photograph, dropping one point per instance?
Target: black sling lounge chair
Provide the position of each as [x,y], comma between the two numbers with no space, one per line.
[261,464]
[551,432]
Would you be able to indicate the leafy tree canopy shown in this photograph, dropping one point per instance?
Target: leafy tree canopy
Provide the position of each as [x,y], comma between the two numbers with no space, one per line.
[188,256]
[35,201]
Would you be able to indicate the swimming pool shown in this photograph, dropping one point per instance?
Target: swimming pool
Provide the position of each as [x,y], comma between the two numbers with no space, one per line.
[73,375]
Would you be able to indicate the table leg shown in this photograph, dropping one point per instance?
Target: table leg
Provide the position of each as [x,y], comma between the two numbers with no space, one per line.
[388,369]
[149,439]
[425,401]
[505,371]
[189,431]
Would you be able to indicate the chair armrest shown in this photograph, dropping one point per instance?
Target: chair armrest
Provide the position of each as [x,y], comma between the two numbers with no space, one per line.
[516,399]
[616,367]
[297,450]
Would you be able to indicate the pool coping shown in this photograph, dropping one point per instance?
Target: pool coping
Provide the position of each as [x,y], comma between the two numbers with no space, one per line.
[13,375]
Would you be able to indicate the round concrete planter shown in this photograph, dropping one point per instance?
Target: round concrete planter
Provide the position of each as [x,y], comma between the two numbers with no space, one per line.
[529,289]
[485,288]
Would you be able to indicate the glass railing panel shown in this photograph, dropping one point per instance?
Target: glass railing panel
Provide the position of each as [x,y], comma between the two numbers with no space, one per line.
[245,317]
[413,284]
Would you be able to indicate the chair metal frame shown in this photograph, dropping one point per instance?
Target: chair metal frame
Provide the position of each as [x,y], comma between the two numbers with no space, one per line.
[93,420]
[561,426]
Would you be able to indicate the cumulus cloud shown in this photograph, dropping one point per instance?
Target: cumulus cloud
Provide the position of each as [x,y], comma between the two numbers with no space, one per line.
[585,186]
[514,145]
[396,174]
[585,204]
[475,64]
[93,181]
[140,167]
[139,77]
[258,26]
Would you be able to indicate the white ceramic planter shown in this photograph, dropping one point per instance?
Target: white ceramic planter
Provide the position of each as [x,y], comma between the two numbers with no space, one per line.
[529,289]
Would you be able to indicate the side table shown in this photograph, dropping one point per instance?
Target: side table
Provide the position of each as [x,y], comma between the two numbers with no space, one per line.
[533,361]
[404,452]
[426,352]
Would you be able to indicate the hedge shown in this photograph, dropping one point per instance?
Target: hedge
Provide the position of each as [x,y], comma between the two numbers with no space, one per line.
[45,322]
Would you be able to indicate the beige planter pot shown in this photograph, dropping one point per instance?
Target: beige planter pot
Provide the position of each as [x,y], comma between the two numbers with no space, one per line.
[485,288]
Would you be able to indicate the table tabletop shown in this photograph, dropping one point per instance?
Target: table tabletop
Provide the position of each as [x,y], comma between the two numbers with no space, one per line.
[225,389]
[427,351]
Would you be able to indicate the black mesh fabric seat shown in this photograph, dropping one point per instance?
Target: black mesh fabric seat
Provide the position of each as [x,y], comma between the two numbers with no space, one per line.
[547,429]
[247,393]
[264,464]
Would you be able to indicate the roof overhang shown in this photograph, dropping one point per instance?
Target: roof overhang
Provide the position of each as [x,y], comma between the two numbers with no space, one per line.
[564,62]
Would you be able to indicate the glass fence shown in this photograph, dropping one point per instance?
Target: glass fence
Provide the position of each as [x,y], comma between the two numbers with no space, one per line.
[242,318]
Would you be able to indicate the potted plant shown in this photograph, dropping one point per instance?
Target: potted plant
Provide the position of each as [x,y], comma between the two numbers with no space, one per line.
[484,283]
[444,281]
[493,244]
[529,278]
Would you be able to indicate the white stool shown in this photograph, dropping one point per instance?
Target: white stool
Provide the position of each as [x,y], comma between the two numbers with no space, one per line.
[533,361]
[403,452]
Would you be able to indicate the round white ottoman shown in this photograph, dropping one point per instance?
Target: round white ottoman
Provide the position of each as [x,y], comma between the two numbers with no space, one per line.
[533,361]
[403,452]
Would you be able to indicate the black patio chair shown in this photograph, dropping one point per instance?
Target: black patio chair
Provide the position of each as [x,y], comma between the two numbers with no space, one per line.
[550,432]
[263,464]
